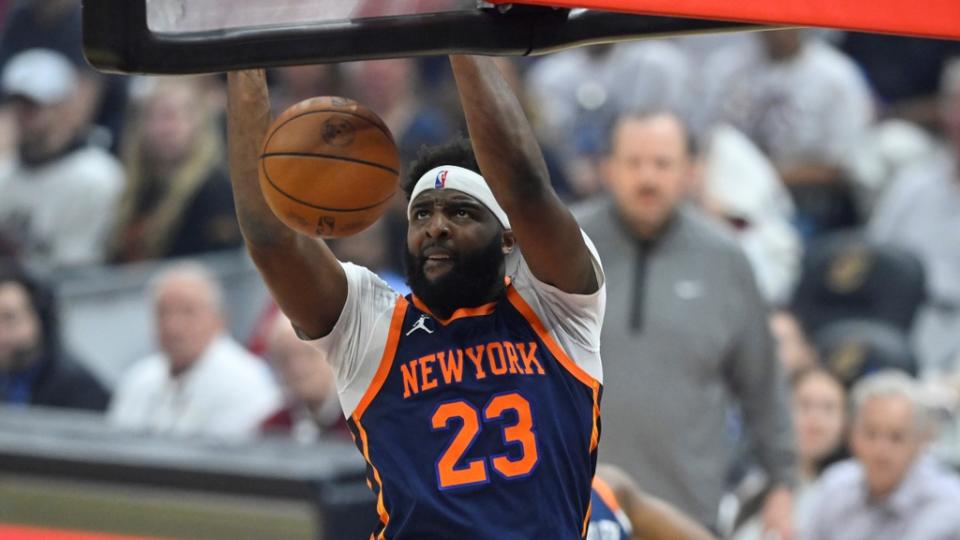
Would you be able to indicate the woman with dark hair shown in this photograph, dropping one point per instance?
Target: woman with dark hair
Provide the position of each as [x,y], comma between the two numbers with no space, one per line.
[34,367]
[820,420]
[819,407]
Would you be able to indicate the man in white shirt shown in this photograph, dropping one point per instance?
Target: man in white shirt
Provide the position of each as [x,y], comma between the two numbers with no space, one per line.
[891,490]
[803,102]
[921,212]
[201,382]
[58,203]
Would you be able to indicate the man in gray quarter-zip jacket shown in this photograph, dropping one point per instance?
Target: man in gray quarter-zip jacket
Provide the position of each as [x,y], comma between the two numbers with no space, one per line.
[686,334]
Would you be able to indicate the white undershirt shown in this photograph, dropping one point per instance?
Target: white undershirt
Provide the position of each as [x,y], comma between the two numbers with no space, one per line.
[355,345]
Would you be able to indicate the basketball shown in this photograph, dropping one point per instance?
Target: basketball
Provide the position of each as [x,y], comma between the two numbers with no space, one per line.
[329,167]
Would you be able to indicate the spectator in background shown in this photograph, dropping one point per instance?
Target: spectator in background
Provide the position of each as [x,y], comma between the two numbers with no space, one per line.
[370,248]
[312,408]
[35,367]
[819,404]
[904,72]
[804,103]
[943,393]
[921,213]
[576,95]
[555,161]
[178,200]
[290,85]
[891,490]
[853,348]
[846,276]
[201,382]
[686,339]
[886,150]
[743,190]
[57,25]
[392,89]
[59,202]
[49,24]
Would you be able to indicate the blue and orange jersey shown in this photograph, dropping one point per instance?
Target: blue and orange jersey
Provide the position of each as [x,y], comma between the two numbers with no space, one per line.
[607,519]
[477,427]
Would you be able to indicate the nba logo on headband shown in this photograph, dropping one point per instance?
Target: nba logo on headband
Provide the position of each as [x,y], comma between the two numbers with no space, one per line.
[458,179]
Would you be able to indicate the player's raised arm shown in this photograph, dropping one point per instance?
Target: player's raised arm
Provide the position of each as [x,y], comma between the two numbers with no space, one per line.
[511,162]
[305,278]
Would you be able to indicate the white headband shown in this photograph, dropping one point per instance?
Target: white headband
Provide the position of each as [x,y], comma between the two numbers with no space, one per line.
[460,179]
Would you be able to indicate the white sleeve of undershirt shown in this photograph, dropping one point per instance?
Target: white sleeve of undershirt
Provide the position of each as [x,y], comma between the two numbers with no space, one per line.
[574,320]
[355,345]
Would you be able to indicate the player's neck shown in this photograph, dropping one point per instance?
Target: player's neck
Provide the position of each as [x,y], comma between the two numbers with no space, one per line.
[444,312]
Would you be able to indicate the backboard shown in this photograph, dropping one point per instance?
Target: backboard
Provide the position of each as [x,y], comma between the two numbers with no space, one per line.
[194,36]
[180,16]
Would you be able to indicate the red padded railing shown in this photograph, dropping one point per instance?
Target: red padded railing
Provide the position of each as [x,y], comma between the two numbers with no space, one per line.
[928,18]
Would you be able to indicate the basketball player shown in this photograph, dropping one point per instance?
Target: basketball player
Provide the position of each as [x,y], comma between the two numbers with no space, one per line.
[475,399]
[621,511]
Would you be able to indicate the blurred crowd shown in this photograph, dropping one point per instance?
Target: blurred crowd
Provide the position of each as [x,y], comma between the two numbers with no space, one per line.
[778,216]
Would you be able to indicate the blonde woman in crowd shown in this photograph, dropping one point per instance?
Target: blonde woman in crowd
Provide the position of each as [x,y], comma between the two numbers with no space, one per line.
[178,200]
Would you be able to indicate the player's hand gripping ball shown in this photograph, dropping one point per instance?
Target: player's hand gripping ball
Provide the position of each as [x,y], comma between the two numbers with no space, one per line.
[329,167]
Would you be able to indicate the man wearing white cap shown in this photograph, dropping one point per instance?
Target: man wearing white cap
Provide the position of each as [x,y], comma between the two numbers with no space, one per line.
[58,201]
[475,399]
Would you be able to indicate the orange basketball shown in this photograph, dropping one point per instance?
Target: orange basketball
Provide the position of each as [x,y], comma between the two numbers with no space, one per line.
[329,167]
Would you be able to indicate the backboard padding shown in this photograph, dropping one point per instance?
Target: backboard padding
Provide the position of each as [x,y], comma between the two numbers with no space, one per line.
[927,18]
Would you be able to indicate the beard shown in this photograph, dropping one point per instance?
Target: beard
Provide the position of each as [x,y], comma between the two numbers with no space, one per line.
[468,283]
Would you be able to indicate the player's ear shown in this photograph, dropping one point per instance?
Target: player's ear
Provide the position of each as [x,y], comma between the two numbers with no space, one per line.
[508,242]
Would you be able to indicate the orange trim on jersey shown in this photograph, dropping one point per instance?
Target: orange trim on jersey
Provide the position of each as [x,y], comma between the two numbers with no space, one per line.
[606,493]
[381,506]
[578,372]
[485,309]
[595,430]
[557,351]
[386,361]
[586,520]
